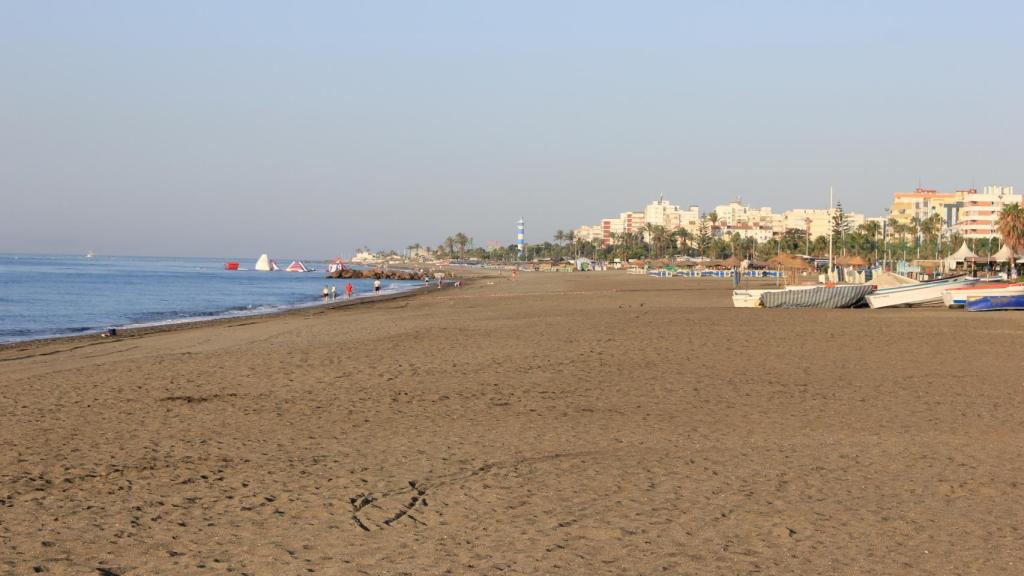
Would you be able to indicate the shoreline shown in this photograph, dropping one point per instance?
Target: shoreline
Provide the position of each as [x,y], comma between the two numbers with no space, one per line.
[144,330]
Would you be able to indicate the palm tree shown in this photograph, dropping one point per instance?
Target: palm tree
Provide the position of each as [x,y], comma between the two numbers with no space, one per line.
[682,234]
[1011,229]
[871,228]
[449,243]
[915,229]
[461,240]
[660,238]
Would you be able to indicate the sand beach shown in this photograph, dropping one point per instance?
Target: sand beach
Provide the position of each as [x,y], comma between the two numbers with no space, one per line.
[593,423]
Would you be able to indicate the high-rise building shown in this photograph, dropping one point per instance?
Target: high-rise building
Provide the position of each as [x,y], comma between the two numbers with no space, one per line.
[661,212]
[626,222]
[922,204]
[968,212]
[589,233]
[979,212]
[735,214]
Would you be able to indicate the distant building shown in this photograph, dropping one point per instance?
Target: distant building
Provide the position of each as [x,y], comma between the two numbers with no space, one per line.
[419,253]
[736,214]
[590,233]
[922,204]
[968,212]
[979,212]
[626,222]
[661,212]
[817,222]
[365,257]
[726,231]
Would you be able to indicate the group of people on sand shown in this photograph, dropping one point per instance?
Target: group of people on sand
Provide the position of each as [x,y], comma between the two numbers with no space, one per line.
[330,294]
[439,279]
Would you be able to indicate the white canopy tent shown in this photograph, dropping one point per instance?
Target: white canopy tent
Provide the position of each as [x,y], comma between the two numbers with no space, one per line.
[959,256]
[1004,254]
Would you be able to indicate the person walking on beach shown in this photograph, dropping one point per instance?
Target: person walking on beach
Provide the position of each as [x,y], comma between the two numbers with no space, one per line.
[325,293]
[348,290]
[334,292]
[376,286]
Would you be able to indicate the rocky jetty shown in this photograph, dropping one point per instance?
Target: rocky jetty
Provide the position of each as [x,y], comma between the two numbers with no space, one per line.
[376,274]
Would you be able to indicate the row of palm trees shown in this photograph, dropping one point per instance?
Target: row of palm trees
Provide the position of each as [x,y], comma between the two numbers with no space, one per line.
[916,238]
[457,240]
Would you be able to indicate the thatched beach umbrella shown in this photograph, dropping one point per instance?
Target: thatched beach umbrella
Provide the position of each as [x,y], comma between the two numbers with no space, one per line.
[851,261]
[791,266]
[789,262]
[732,262]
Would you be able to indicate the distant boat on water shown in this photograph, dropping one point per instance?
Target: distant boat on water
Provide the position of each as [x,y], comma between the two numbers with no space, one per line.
[297,266]
[266,264]
[90,254]
[231,265]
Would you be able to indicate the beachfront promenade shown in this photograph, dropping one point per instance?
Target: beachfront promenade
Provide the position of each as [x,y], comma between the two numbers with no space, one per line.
[592,423]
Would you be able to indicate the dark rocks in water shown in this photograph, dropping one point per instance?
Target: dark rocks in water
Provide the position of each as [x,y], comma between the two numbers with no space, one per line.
[376,274]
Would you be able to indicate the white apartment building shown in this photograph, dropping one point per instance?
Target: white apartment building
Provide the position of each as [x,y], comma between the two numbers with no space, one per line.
[979,212]
[626,222]
[817,222]
[735,213]
[663,213]
[726,231]
[589,233]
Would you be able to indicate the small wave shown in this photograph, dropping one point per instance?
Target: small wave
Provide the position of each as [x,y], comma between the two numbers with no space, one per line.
[169,318]
[10,335]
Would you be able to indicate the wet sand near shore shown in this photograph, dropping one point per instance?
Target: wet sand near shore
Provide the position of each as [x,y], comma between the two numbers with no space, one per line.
[597,423]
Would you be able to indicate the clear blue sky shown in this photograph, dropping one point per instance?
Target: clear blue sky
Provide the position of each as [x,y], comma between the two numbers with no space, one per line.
[310,129]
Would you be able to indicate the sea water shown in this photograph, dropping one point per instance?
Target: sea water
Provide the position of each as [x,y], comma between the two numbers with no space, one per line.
[48,296]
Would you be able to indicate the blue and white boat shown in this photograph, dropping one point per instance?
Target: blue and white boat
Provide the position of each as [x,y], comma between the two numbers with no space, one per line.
[923,294]
[990,303]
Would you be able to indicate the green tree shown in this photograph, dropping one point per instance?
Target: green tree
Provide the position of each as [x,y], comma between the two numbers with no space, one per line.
[682,235]
[703,237]
[461,240]
[1011,229]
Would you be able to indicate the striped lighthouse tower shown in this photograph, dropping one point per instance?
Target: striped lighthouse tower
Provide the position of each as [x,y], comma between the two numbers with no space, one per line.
[521,236]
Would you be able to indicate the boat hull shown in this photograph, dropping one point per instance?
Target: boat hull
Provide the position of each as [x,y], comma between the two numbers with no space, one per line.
[747,298]
[958,297]
[992,303]
[923,294]
[842,296]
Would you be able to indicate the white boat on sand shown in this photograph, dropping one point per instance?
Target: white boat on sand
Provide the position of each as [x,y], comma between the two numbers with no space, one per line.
[923,294]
